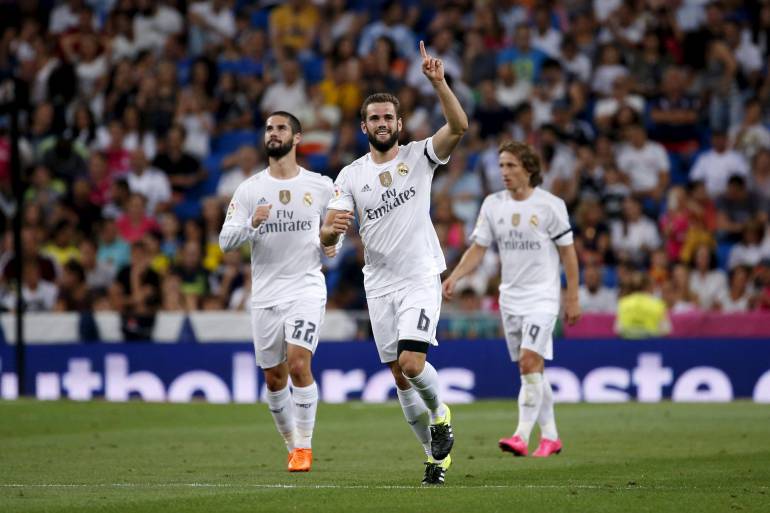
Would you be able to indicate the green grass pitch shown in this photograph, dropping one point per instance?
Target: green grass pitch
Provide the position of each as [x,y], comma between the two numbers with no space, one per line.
[132,457]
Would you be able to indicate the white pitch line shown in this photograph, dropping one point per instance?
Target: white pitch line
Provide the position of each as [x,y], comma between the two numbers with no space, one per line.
[360,487]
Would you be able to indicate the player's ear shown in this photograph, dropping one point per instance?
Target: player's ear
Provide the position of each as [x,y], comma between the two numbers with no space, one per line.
[363,127]
[297,138]
[399,124]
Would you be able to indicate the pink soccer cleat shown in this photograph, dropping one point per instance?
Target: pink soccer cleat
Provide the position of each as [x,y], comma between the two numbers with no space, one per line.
[547,447]
[515,445]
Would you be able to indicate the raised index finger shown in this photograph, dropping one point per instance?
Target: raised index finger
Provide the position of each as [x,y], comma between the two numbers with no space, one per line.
[422,50]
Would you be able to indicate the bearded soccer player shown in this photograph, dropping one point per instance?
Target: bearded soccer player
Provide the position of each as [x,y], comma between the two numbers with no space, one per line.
[389,187]
[531,229]
[279,211]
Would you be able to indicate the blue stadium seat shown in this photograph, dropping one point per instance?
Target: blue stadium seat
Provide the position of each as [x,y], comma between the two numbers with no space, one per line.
[213,163]
[610,276]
[260,19]
[313,70]
[678,172]
[188,209]
[209,186]
[723,253]
[318,162]
[231,141]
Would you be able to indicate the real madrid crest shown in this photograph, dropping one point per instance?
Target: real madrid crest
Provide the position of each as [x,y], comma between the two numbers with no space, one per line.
[402,168]
[307,199]
[533,220]
[284,196]
[386,179]
[515,219]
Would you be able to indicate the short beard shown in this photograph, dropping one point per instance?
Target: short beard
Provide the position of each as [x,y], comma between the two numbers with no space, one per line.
[277,152]
[383,146]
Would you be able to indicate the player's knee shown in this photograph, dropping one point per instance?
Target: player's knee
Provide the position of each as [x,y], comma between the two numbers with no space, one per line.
[530,362]
[299,370]
[407,365]
[411,363]
[275,381]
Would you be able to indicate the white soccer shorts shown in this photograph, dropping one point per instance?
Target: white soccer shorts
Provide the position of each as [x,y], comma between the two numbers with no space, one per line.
[296,322]
[410,313]
[533,332]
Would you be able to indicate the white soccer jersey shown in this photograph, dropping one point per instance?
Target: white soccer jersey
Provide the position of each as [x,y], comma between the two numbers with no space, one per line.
[286,248]
[526,233]
[392,200]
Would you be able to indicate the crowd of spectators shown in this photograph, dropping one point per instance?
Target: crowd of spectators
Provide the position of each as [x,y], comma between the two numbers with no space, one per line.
[141,117]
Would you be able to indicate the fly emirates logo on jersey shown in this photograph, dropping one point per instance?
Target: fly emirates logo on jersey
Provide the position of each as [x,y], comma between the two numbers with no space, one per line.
[284,222]
[391,199]
[516,240]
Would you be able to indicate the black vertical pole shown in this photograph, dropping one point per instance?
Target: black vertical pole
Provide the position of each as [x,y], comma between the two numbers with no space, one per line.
[19,257]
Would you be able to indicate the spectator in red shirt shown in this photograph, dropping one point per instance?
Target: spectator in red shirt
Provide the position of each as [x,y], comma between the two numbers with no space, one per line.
[675,222]
[135,223]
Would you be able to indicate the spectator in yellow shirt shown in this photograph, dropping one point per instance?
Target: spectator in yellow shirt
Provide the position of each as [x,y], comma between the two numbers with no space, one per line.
[294,25]
[62,247]
[640,313]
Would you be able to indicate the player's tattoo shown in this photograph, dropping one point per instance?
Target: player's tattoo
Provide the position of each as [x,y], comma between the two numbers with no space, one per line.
[423,322]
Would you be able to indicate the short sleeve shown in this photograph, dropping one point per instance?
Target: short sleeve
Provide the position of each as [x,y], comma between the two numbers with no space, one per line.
[342,196]
[482,233]
[430,153]
[558,227]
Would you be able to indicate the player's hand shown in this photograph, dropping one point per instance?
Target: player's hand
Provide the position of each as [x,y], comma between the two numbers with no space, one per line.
[342,222]
[572,311]
[329,251]
[432,68]
[448,288]
[260,215]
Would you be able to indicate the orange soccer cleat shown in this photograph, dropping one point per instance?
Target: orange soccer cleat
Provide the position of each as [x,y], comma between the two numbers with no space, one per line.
[300,460]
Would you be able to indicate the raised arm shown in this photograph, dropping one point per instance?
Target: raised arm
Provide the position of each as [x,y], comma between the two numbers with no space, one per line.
[468,263]
[240,226]
[447,137]
[570,261]
[335,225]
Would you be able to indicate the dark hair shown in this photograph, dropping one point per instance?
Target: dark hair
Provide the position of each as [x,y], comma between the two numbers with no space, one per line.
[736,180]
[550,63]
[380,98]
[296,127]
[75,268]
[528,158]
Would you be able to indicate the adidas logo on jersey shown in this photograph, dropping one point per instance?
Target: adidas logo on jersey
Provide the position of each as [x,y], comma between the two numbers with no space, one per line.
[261,201]
[366,188]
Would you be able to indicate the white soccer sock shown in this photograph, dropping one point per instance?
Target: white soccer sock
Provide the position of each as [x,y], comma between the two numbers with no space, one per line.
[426,385]
[282,409]
[530,400]
[305,406]
[417,416]
[546,418]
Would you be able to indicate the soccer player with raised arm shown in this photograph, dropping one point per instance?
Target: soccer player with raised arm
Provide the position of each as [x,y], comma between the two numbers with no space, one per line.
[531,229]
[279,211]
[389,188]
